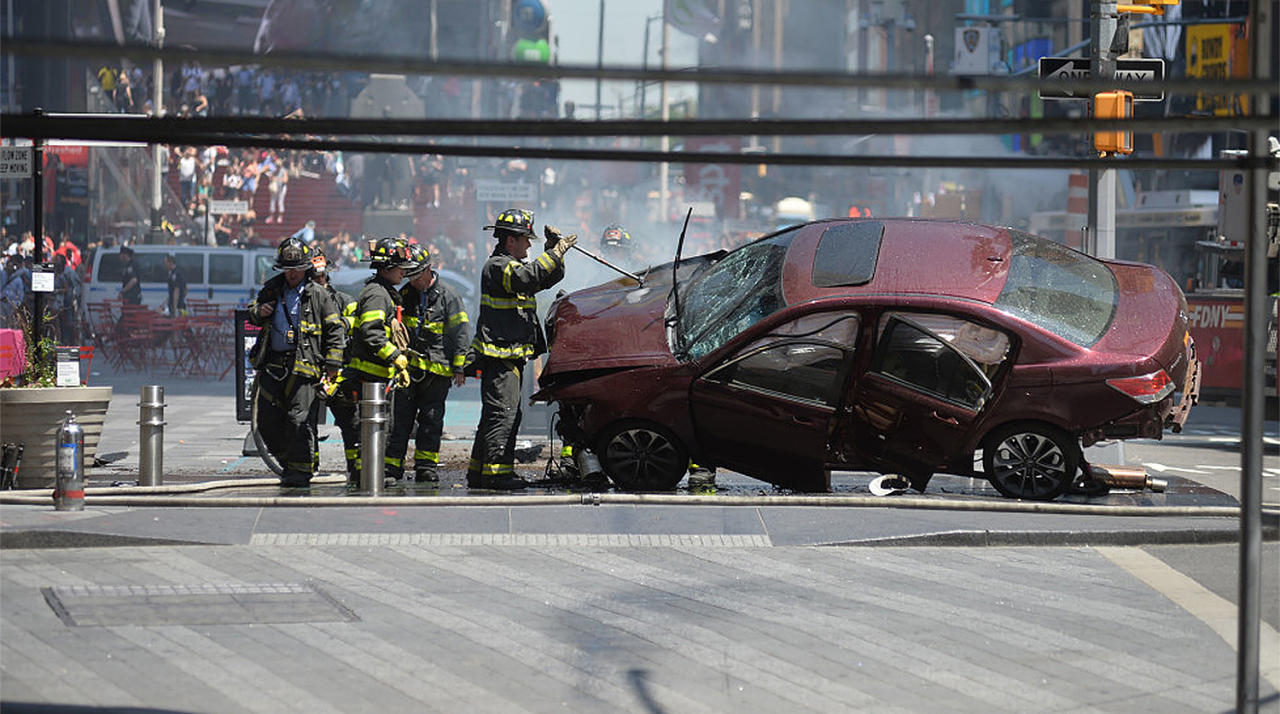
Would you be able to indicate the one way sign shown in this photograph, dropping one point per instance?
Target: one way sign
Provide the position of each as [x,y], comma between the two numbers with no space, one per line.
[1127,70]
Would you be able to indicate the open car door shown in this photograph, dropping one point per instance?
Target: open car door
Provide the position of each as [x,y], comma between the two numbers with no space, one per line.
[920,398]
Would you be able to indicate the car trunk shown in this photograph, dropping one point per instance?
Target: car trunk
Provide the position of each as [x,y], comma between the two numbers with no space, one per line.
[1150,319]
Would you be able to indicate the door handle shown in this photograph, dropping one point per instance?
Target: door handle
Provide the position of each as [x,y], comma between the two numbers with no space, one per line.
[803,421]
[949,420]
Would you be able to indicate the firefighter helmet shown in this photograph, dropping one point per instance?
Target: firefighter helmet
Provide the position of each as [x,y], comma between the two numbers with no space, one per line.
[293,254]
[390,253]
[421,259]
[615,236]
[513,221]
[319,262]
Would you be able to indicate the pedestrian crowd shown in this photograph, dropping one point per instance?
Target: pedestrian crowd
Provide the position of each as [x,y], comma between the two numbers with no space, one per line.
[17,297]
[409,330]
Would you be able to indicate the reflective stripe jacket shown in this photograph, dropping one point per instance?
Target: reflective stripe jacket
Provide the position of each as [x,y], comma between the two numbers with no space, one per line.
[371,350]
[321,334]
[508,327]
[437,333]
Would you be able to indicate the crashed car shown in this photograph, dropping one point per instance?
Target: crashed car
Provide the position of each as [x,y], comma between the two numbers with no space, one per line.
[900,346]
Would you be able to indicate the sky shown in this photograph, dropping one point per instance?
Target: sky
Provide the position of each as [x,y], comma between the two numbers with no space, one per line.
[576,23]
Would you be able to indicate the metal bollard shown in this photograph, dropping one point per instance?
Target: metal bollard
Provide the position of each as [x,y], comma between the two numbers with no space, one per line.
[374,417]
[151,436]
[68,491]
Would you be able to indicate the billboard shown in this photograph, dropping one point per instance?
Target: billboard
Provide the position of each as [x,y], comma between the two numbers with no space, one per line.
[1214,52]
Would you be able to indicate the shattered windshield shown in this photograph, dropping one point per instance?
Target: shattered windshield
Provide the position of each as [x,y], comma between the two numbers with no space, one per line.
[734,294]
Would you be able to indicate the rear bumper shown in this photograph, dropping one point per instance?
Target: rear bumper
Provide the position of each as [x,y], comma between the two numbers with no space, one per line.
[1190,396]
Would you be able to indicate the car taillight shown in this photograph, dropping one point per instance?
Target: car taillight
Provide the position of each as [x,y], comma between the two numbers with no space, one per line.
[1147,389]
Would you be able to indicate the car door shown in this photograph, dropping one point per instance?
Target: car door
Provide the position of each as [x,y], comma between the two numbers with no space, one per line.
[916,404]
[769,408]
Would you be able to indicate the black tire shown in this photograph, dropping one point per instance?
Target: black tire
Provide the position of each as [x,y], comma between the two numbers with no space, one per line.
[642,456]
[1030,460]
[267,457]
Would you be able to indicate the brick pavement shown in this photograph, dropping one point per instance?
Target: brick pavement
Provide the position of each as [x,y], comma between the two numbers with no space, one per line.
[512,628]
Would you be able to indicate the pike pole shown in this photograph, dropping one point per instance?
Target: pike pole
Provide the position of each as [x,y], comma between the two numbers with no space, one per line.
[606,263]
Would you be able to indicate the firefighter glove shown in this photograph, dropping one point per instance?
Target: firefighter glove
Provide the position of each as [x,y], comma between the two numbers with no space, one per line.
[552,235]
[563,245]
[402,371]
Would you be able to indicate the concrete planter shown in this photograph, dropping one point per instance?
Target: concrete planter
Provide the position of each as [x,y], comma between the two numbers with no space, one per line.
[32,415]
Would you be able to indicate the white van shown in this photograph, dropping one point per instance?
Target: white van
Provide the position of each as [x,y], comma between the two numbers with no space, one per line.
[221,275]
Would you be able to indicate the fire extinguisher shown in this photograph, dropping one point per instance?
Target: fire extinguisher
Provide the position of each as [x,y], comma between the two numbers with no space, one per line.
[68,492]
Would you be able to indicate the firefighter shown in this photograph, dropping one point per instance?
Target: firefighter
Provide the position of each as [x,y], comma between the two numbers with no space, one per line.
[346,306]
[508,334]
[615,243]
[373,353]
[302,344]
[437,325]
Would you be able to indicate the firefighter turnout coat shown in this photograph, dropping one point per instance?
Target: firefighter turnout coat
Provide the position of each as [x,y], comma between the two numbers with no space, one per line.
[437,326]
[508,327]
[372,351]
[321,333]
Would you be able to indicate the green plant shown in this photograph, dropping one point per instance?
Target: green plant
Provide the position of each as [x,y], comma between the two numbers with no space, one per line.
[41,368]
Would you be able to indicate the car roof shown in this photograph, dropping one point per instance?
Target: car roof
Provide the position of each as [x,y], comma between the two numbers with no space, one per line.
[953,258]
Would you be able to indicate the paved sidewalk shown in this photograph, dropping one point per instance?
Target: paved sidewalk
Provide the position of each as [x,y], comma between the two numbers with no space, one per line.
[515,627]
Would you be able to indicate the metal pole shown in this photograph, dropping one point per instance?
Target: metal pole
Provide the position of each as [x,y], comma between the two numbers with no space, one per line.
[373,436]
[599,56]
[1102,183]
[151,436]
[644,64]
[37,230]
[1256,314]
[157,109]
[664,169]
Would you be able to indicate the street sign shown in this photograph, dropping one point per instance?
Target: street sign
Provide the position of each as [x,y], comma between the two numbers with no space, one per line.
[490,191]
[1127,70]
[233,207]
[15,162]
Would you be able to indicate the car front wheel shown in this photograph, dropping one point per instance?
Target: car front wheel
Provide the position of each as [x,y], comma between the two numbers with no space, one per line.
[640,456]
[1031,461]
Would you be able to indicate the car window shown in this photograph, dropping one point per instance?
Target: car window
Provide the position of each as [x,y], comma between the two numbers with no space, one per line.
[226,269]
[838,327]
[985,346]
[191,265]
[742,289]
[797,370]
[1067,293]
[150,267]
[264,268]
[912,356]
[109,269]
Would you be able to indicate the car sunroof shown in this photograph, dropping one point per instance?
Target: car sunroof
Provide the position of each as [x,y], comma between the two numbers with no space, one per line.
[847,254]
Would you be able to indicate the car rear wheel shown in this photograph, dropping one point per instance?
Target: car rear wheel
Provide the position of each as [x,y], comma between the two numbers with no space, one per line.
[1036,462]
[640,456]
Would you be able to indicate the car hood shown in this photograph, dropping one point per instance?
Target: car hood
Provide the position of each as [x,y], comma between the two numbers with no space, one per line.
[609,326]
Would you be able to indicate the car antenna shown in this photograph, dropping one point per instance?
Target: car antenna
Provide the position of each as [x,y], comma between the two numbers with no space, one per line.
[675,267]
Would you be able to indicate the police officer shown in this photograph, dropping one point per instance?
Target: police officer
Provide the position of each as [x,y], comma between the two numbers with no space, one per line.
[438,336]
[508,334]
[130,287]
[372,354]
[302,342]
[176,295]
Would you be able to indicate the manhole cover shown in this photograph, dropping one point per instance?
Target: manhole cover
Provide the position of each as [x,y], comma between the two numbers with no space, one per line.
[207,604]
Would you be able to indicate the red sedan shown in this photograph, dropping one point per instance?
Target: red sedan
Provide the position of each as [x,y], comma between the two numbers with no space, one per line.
[900,346]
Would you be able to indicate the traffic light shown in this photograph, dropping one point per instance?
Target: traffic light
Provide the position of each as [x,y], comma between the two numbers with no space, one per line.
[1113,105]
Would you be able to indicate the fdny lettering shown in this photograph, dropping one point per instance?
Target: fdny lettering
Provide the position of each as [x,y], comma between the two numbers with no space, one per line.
[1215,316]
